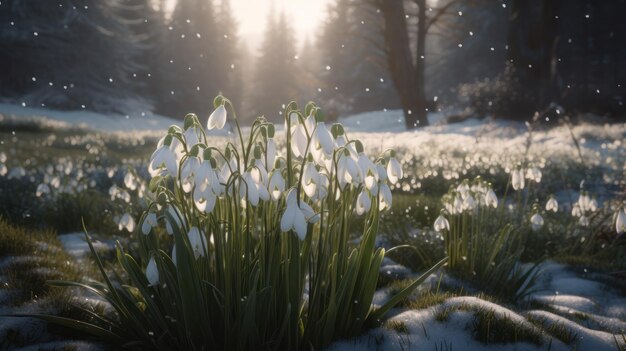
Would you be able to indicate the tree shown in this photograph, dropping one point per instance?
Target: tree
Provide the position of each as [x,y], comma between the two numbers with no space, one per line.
[192,53]
[68,57]
[275,76]
[408,70]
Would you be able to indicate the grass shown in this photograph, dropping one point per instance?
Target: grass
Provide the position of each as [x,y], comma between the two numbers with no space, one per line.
[557,330]
[398,326]
[36,256]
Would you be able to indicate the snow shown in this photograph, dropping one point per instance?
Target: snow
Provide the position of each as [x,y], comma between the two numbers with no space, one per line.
[85,119]
[76,245]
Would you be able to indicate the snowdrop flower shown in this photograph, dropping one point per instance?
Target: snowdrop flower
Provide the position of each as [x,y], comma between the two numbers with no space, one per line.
[276,185]
[620,221]
[323,140]
[394,170]
[163,160]
[270,153]
[536,222]
[491,199]
[370,173]
[299,141]
[469,203]
[321,188]
[192,136]
[197,241]
[3,157]
[534,174]
[576,210]
[207,187]
[552,204]
[126,222]
[583,221]
[152,272]
[42,189]
[3,169]
[593,205]
[517,179]
[249,190]
[149,222]
[385,197]
[441,223]
[130,181]
[217,119]
[188,172]
[363,203]
[348,171]
[310,178]
[293,218]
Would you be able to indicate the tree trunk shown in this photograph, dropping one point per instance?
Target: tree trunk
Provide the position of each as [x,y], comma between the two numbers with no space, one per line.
[400,62]
[420,59]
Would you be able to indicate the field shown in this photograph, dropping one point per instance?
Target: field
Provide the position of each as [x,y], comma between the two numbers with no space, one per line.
[528,217]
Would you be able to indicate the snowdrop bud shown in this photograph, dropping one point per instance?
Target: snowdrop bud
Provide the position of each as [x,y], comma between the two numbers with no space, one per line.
[149,222]
[385,197]
[363,203]
[620,221]
[337,130]
[536,222]
[517,179]
[217,119]
[552,204]
[491,199]
[126,222]
[152,272]
[394,170]
[197,241]
[42,189]
[293,218]
[190,120]
[441,223]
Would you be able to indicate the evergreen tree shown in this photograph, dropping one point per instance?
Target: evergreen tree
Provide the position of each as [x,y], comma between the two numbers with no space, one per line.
[62,55]
[228,67]
[275,72]
[192,52]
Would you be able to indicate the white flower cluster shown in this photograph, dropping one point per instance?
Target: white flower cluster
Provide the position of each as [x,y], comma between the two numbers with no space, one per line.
[466,197]
[585,206]
[316,162]
[518,179]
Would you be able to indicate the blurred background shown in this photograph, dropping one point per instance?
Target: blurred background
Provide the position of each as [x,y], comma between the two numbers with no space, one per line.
[467,58]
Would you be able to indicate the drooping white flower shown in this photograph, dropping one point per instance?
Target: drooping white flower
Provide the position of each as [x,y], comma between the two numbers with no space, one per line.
[491,199]
[149,222]
[207,187]
[363,202]
[130,181]
[323,140]
[310,178]
[552,204]
[276,185]
[385,197]
[534,174]
[348,171]
[192,136]
[293,218]
[299,141]
[197,241]
[42,189]
[370,173]
[517,179]
[576,210]
[270,154]
[620,221]
[188,173]
[441,223]
[394,170]
[583,221]
[536,222]
[469,203]
[593,205]
[163,160]
[3,169]
[126,222]
[152,272]
[217,119]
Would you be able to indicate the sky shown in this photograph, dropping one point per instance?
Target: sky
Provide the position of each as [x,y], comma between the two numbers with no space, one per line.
[252,15]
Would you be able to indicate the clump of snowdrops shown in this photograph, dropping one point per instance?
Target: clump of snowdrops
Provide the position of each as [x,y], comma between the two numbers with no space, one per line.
[485,245]
[259,253]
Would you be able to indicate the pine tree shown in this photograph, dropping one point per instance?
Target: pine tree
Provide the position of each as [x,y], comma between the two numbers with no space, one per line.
[228,65]
[60,55]
[192,52]
[275,72]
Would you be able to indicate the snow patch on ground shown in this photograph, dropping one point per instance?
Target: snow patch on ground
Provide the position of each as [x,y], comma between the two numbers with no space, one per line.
[76,245]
